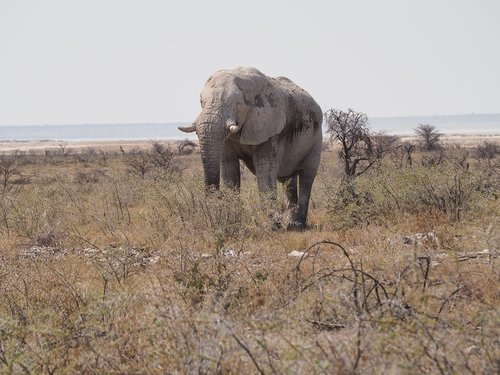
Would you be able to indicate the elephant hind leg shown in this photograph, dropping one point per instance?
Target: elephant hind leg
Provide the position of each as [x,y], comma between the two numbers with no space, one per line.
[306,180]
[293,202]
[299,217]
[291,193]
[292,199]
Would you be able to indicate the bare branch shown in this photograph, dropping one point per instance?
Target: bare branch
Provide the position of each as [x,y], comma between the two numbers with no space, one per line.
[350,128]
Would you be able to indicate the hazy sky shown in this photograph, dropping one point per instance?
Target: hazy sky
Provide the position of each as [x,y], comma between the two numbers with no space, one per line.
[102,61]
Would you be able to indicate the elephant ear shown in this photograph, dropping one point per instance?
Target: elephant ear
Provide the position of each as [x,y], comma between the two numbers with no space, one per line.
[266,115]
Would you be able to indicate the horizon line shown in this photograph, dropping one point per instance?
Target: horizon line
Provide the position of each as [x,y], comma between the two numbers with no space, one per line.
[186,122]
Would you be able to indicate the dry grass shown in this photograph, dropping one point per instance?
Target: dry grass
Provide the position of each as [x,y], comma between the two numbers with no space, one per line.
[106,271]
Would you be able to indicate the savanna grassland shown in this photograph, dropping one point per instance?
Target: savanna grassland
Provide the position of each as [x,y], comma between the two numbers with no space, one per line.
[116,261]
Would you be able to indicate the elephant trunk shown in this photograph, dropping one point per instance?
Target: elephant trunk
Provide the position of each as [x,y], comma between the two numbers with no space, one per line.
[211,137]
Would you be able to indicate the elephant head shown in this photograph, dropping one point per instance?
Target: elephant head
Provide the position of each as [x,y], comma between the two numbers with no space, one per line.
[242,101]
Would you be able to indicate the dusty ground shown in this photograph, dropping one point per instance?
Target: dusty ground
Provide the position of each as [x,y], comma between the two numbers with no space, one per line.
[40,146]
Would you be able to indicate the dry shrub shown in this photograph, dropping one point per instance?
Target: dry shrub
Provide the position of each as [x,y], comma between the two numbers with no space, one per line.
[487,151]
[388,192]
[188,207]
[160,161]
[86,177]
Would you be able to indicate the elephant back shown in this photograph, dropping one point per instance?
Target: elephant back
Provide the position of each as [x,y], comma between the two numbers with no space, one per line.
[303,112]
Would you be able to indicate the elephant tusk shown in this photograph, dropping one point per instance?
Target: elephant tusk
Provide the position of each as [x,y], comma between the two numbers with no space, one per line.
[233,127]
[187,129]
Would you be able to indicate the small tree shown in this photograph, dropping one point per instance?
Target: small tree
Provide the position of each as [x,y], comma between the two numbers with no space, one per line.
[383,143]
[408,149]
[62,147]
[429,137]
[138,162]
[487,153]
[350,128]
[8,169]
[186,147]
[161,156]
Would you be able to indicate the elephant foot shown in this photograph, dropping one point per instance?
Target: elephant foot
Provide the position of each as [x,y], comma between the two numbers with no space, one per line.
[296,226]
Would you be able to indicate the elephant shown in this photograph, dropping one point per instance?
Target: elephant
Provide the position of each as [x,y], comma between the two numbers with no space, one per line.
[271,124]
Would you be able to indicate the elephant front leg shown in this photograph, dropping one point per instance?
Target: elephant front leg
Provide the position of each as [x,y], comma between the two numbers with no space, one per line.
[292,197]
[230,169]
[264,160]
[266,182]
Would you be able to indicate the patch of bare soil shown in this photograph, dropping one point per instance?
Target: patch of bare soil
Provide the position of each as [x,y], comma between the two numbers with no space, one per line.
[41,146]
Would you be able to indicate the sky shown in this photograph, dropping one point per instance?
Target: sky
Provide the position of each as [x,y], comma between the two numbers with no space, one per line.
[115,61]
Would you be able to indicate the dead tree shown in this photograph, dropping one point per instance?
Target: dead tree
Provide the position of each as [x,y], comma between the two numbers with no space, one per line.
[487,153]
[408,150]
[383,143]
[62,147]
[350,128]
[161,156]
[138,163]
[8,169]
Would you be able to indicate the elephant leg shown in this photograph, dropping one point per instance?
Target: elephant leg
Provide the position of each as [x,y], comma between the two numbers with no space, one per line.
[306,180]
[265,167]
[292,200]
[291,193]
[305,186]
[266,182]
[230,169]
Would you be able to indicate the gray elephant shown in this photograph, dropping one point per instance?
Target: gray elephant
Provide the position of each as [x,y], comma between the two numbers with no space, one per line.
[271,124]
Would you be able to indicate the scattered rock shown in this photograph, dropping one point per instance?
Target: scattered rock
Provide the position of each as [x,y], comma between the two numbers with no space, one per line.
[462,257]
[151,260]
[36,251]
[298,254]
[326,325]
[421,238]
[486,253]
[226,252]
[437,258]
[473,349]
[122,255]
[111,255]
